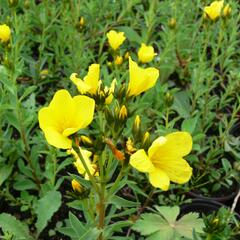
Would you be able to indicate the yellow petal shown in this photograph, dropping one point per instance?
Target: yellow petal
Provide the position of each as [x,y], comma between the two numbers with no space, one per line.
[56,139]
[140,79]
[80,84]
[146,53]
[178,170]
[92,78]
[62,107]
[159,179]
[177,144]
[141,162]
[84,111]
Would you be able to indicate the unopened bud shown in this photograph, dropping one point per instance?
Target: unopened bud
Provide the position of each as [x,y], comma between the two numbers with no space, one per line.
[236,166]
[168,99]
[172,23]
[86,140]
[126,56]
[81,21]
[227,10]
[146,139]
[12,3]
[136,124]
[118,60]
[123,113]
[76,186]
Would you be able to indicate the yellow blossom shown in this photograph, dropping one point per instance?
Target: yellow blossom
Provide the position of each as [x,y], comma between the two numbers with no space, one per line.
[146,53]
[5,33]
[115,39]
[140,79]
[164,161]
[64,116]
[76,186]
[118,60]
[80,168]
[90,82]
[215,9]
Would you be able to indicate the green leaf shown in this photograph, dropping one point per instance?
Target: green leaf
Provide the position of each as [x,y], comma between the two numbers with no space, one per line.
[76,225]
[5,171]
[182,104]
[46,207]
[189,125]
[28,91]
[149,223]
[187,223]
[165,226]
[169,213]
[121,202]
[10,224]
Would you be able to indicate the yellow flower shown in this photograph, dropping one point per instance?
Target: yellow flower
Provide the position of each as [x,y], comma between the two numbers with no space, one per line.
[64,116]
[115,39]
[118,60]
[215,9]
[146,53]
[76,186]
[5,33]
[140,79]
[80,168]
[90,82]
[164,161]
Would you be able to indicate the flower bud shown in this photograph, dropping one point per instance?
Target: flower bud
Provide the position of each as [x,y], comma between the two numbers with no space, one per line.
[168,99]
[118,60]
[126,56]
[122,113]
[146,140]
[86,140]
[76,186]
[81,21]
[136,124]
[227,10]
[172,23]
[236,166]
[12,3]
